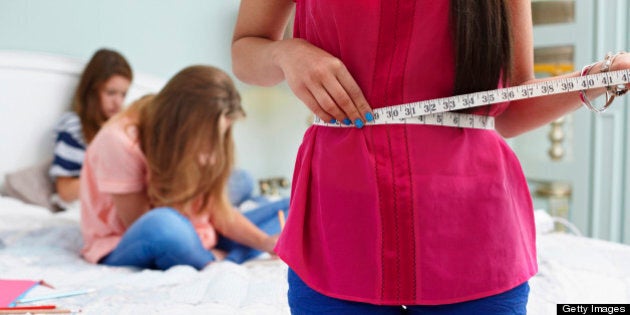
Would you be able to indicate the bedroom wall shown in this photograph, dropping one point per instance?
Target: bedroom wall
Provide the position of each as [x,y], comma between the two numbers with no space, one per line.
[159,38]
[597,146]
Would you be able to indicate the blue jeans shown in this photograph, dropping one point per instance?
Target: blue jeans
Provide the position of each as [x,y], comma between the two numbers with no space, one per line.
[163,238]
[305,301]
[240,186]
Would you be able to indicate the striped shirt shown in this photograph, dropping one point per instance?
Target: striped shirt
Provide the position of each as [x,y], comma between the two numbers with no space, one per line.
[69,147]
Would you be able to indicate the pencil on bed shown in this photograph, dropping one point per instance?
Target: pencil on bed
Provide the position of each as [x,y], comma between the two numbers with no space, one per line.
[55,296]
[281,219]
[39,311]
[28,308]
[31,307]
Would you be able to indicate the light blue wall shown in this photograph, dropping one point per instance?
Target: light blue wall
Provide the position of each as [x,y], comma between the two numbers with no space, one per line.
[159,38]
[597,145]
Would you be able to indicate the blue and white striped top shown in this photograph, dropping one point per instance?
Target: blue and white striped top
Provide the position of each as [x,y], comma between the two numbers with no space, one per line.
[69,147]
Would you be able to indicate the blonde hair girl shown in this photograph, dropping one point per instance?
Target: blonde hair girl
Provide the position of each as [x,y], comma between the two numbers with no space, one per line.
[155,178]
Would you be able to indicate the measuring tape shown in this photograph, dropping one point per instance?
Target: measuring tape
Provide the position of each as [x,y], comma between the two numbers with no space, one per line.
[438,111]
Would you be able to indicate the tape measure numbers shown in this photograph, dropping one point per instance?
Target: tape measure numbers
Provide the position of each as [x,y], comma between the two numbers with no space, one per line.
[446,119]
[438,111]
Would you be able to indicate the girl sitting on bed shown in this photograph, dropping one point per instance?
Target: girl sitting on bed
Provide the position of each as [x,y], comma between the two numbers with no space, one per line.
[99,96]
[153,184]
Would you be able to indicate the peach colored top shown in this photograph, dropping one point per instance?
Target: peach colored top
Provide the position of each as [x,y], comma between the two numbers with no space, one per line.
[114,164]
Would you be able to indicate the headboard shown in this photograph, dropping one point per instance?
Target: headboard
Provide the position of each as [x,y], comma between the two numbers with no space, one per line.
[35,89]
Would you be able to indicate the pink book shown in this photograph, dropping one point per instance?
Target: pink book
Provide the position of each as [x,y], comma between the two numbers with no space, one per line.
[12,290]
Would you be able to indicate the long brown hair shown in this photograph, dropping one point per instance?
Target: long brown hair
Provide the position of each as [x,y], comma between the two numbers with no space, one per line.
[86,103]
[483,44]
[180,123]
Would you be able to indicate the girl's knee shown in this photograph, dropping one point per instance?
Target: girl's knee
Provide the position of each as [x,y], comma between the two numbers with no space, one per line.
[164,224]
[163,217]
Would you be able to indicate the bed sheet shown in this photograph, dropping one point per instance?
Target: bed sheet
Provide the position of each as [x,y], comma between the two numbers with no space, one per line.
[578,270]
[37,244]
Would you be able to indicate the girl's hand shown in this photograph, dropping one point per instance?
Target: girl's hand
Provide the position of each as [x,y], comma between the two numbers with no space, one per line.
[218,254]
[269,243]
[322,82]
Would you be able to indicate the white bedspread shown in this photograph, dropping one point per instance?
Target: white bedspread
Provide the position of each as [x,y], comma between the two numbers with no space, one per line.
[577,270]
[39,245]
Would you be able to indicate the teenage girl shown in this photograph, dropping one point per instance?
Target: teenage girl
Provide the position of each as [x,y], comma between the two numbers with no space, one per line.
[153,185]
[405,218]
[99,96]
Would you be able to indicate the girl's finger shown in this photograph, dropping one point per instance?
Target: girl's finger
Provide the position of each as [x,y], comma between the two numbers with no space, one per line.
[327,104]
[356,95]
[309,100]
[343,102]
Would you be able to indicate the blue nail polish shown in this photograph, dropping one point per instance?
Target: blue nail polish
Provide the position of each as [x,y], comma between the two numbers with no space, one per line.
[333,121]
[369,117]
[347,121]
[358,123]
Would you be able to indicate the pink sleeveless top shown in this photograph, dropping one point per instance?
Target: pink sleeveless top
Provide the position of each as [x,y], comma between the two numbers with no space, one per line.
[403,214]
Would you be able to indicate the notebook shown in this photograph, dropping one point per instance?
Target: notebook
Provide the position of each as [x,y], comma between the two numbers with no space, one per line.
[12,290]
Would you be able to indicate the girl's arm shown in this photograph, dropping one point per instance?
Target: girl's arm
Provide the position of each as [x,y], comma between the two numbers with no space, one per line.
[67,188]
[131,206]
[260,56]
[239,229]
[525,115]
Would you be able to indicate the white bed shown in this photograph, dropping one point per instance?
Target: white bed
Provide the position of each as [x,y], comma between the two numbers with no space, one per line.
[37,244]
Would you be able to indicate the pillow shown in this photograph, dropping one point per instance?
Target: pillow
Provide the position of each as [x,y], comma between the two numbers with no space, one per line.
[32,185]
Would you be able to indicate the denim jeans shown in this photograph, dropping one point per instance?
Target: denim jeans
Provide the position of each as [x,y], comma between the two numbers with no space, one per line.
[163,238]
[306,301]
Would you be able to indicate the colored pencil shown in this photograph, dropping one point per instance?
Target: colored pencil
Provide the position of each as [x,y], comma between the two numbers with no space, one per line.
[55,296]
[32,307]
[281,219]
[39,311]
